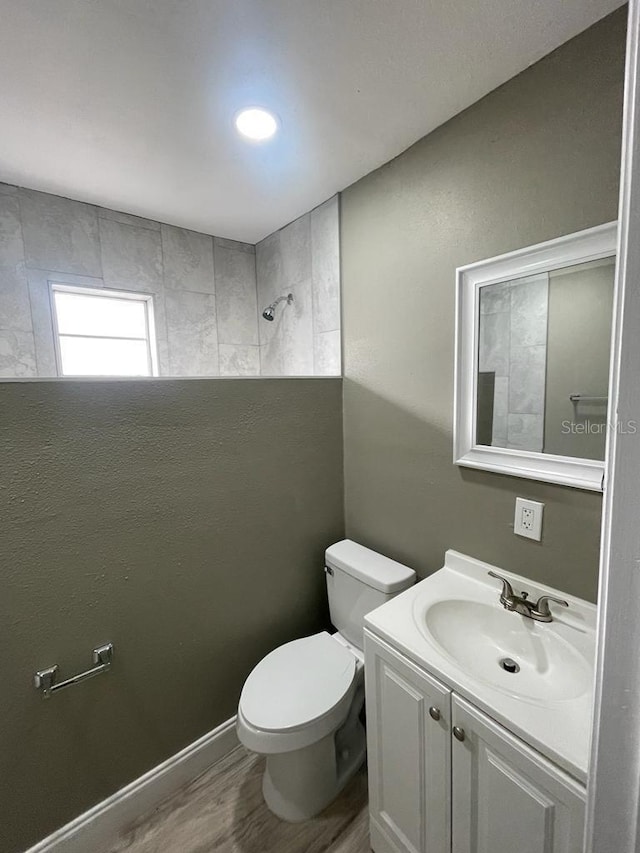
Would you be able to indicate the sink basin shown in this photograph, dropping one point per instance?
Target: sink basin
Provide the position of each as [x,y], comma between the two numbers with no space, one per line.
[452,625]
[478,637]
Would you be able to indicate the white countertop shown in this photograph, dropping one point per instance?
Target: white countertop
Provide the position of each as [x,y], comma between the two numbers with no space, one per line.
[558,728]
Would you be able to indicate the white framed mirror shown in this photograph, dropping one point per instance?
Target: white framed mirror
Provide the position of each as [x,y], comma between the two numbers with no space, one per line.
[533,341]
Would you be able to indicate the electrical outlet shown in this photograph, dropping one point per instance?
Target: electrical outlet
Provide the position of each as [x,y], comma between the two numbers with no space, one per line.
[528,519]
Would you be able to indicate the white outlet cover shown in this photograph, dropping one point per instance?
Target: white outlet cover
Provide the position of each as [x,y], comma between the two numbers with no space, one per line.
[528,519]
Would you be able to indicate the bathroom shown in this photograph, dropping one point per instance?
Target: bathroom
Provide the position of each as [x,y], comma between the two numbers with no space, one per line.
[181,506]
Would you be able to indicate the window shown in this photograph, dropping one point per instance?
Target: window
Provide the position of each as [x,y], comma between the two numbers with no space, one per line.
[103,332]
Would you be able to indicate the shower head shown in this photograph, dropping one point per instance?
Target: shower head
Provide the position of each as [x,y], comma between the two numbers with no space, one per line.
[269,312]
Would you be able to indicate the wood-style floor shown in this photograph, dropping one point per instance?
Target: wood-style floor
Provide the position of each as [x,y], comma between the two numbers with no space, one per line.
[223,812]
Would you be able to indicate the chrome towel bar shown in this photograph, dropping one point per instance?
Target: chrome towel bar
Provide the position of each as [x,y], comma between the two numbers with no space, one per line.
[585,398]
[45,679]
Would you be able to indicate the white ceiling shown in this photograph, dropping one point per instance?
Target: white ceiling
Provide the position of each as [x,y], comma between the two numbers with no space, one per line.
[129,103]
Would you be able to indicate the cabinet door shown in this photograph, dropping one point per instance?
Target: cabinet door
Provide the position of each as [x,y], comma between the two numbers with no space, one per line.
[409,754]
[507,797]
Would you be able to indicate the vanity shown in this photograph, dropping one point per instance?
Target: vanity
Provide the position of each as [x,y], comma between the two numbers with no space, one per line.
[478,717]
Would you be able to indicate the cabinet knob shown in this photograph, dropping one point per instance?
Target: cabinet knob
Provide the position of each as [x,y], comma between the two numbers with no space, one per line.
[434,713]
[458,733]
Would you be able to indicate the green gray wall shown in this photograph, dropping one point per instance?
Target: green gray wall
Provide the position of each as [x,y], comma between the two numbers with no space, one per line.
[184,521]
[578,347]
[537,158]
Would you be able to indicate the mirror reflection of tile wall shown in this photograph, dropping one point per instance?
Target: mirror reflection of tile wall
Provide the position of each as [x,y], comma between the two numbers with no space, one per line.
[513,346]
[543,361]
[205,289]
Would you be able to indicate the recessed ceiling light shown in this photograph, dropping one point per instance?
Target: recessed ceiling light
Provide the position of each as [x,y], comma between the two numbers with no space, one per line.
[256,124]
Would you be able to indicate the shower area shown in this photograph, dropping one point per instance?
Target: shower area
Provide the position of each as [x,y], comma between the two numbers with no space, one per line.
[298,288]
[87,291]
[293,328]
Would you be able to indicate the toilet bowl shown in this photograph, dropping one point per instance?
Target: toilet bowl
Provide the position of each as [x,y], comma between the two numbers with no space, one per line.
[301,705]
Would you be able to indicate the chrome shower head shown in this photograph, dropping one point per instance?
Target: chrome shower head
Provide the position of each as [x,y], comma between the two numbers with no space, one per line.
[269,312]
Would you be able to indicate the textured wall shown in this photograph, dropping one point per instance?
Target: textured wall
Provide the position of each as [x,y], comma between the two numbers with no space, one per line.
[206,319]
[537,158]
[303,259]
[184,521]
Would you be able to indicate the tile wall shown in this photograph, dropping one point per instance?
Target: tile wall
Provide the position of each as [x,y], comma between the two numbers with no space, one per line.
[206,309]
[302,259]
[513,345]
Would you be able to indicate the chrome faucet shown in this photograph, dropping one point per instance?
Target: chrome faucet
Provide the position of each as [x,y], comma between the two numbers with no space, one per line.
[519,604]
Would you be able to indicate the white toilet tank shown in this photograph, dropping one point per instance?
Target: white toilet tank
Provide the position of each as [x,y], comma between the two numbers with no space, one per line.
[359,580]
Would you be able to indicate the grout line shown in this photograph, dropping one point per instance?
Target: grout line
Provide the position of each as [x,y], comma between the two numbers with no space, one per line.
[258,312]
[37,360]
[165,323]
[313,290]
[215,296]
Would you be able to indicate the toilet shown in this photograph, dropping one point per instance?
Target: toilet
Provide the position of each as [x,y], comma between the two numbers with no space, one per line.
[300,707]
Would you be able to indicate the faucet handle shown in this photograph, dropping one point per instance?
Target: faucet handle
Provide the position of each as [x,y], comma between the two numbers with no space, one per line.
[507,589]
[542,605]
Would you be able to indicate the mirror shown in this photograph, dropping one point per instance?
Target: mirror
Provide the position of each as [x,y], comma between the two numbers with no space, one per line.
[532,370]
[543,361]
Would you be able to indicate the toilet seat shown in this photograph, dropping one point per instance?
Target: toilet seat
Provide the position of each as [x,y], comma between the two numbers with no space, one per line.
[297,694]
[297,684]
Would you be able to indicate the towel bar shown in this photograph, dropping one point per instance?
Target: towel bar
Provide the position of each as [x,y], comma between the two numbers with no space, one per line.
[585,398]
[45,679]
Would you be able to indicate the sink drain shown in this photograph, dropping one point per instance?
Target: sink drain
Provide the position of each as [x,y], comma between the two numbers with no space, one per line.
[509,665]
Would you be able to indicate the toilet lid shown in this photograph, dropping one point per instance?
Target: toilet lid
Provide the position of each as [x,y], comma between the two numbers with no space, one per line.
[297,683]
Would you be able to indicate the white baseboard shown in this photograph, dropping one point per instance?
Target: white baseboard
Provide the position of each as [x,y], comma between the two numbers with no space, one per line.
[97,828]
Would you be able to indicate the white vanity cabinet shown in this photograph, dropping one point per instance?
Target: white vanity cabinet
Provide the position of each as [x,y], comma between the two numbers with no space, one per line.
[505,795]
[484,791]
[409,754]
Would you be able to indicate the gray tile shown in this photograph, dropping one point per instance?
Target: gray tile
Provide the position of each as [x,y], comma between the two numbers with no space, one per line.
[15,310]
[525,432]
[192,334]
[284,258]
[11,245]
[529,311]
[295,249]
[163,357]
[494,343]
[500,411]
[283,265]
[269,272]
[17,355]
[495,298]
[325,261]
[326,354]
[188,260]
[131,257]
[60,234]
[527,380]
[128,219]
[239,360]
[287,342]
[223,243]
[236,301]
[42,327]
